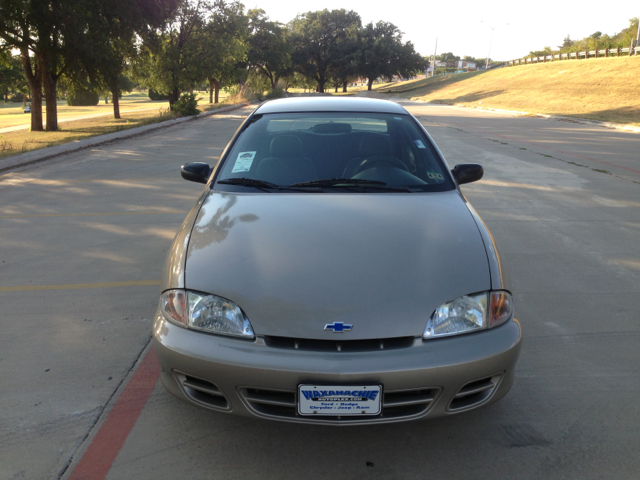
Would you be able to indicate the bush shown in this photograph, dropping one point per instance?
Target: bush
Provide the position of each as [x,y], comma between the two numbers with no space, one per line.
[186,105]
[238,94]
[276,92]
[16,98]
[80,97]
[154,95]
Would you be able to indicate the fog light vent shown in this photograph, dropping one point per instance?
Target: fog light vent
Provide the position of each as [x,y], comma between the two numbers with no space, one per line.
[202,391]
[474,394]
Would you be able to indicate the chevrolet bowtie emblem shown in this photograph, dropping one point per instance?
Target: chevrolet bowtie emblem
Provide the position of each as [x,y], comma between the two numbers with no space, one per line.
[338,327]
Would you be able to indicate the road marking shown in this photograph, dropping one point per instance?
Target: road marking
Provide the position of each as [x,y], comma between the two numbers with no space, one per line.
[105,446]
[91,214]
[75,286]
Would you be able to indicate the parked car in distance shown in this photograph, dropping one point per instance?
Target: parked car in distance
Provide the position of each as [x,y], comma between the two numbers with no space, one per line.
[27,109]
[332,272]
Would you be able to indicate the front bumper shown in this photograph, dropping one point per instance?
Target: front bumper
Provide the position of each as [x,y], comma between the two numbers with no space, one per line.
[424,380]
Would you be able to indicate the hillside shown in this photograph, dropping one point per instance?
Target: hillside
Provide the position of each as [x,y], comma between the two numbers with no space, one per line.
[605,89]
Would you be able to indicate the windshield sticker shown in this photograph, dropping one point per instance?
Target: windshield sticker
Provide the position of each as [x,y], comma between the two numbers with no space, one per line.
[419,144]
[435,176]
[243,162]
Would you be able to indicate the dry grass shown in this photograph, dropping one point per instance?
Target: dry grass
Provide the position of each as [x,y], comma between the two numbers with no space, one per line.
[21,141]
[11,114]
[604,89]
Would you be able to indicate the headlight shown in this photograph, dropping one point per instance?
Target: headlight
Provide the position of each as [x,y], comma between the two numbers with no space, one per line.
[470,313]
[208,313]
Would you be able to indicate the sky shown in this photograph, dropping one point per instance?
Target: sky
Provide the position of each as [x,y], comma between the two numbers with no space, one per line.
[465,27]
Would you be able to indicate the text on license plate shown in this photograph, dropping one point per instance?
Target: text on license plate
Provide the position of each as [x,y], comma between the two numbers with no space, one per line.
[339,400]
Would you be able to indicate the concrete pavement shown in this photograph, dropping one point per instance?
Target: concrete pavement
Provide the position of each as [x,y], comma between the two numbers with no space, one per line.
[567,230]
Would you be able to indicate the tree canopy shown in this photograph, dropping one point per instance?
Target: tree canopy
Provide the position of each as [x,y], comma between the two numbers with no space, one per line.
[52,47]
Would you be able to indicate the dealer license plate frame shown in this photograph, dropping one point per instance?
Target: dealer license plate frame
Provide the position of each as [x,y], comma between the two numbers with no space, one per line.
[319,402]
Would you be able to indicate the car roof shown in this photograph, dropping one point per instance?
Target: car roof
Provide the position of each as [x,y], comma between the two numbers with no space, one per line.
[330,104]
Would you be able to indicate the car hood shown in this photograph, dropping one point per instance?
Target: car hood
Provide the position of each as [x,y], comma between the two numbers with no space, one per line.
[296,262]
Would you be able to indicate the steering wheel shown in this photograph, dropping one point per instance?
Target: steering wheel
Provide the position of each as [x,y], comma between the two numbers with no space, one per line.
[380,161]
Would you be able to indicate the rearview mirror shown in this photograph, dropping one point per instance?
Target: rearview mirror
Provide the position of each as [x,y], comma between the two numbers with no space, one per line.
[467,172]
[196,172]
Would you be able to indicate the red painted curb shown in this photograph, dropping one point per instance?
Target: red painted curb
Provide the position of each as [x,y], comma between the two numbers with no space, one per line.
[105,446]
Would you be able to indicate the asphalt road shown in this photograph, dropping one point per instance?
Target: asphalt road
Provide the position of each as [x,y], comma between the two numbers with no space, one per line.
[83,239]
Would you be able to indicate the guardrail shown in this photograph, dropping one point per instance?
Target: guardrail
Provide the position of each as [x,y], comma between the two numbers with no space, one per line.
[575,56]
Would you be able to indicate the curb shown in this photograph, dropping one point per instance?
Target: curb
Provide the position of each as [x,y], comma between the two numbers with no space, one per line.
[584,121]
[594,123]
[37,156]
[616,126]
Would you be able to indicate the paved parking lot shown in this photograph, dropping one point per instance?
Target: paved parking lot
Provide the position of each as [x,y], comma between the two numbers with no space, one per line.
[83,239]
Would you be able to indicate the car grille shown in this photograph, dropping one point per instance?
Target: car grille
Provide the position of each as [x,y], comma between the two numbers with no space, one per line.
[395,405]
[202,391]
[369,345]
[474,394]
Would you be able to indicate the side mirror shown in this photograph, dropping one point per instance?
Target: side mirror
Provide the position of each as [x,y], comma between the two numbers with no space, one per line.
[467,172]
[196,172]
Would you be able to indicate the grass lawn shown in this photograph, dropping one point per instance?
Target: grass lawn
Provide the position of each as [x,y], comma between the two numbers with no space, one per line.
[20,141]
[11,114]
[350,90]
[605,89]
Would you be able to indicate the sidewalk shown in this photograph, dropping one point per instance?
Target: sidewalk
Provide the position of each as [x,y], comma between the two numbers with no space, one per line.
[81,117]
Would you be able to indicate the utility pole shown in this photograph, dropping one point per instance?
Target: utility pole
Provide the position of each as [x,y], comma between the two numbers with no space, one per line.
[486,66]
[433,73]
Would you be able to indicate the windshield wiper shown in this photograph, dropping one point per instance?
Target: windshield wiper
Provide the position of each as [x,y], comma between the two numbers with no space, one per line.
[332,182]
[352,182]
[249,182]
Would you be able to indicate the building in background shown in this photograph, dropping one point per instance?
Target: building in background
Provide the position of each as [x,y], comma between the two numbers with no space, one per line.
[464,65]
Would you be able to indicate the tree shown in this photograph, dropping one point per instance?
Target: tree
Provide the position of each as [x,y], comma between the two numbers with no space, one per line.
[566,43]
[382,53]
[16,25]
[169,60]
[71,38]
[269,51]
[315,36]
[345,52]
[541,53]
[224,45]
[12,79]
[112,29]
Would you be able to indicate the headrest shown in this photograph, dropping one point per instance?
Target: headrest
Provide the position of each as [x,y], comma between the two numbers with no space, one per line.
[375,145]
[286,146]
[331,128]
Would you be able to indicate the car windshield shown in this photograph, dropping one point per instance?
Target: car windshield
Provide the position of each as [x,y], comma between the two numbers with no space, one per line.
[328,151]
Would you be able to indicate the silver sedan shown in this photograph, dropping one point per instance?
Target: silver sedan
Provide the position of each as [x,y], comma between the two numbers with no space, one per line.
[332,272]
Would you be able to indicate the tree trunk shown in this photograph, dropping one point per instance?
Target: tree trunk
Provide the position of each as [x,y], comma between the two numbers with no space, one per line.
[216,86]
[49,81]
[173,97]
[106,99]
[211,90]
[35,86]
[191,89]
[369,84]
[51,100]
[116,103]
[344,87]
[321,83]
[336,88]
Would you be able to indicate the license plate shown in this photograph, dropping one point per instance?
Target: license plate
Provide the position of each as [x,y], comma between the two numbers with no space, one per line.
[339,400]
